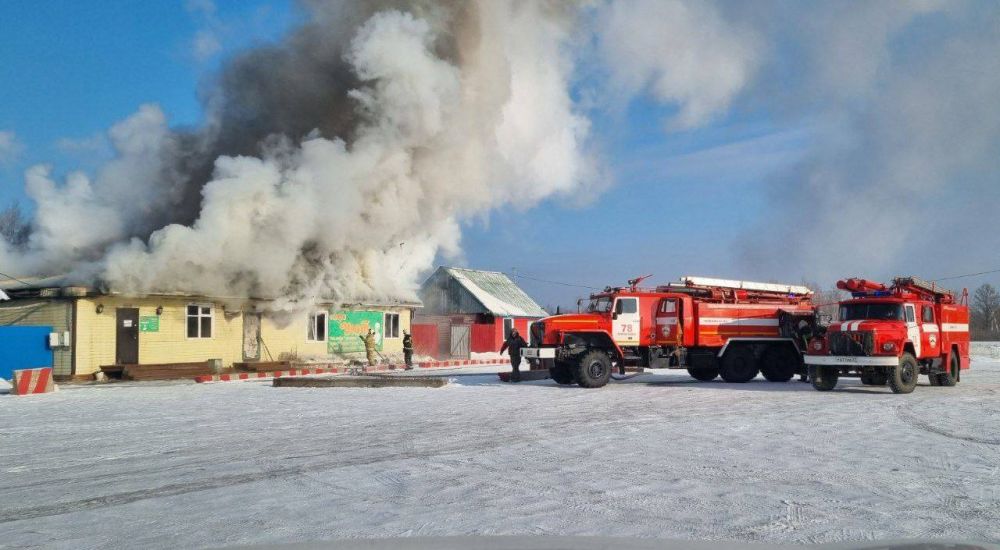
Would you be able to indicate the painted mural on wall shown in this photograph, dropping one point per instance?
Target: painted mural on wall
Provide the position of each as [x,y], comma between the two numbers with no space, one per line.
[346,328]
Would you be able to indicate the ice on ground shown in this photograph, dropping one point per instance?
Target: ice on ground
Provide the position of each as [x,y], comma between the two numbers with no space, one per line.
[182,465]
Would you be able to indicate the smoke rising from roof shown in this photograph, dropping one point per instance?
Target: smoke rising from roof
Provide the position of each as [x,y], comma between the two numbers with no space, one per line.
[341,161]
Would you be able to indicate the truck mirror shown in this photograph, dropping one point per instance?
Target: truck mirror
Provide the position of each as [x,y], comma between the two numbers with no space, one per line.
[614,315]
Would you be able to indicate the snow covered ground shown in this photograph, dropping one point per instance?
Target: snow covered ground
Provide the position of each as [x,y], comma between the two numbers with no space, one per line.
[180,465]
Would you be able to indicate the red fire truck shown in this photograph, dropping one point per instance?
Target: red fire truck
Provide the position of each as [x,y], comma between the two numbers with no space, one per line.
[710,327]
[892,334]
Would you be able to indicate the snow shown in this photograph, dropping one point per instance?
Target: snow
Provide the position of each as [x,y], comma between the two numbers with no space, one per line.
[164,465]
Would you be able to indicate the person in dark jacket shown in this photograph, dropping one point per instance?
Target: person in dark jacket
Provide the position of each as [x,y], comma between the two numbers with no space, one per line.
[408,350]
[513,345]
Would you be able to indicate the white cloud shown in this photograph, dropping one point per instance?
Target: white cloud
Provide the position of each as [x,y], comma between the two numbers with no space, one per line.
[207,41]
[683,53]
[10,147]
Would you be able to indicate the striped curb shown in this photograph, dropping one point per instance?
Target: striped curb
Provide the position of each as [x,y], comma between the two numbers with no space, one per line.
[244,376]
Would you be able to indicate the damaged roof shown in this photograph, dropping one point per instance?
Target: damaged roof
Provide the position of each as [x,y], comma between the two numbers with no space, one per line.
[496,292]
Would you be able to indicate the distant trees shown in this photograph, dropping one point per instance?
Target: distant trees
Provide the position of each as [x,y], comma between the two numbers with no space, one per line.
[14,226]
[826,301]
[985,313]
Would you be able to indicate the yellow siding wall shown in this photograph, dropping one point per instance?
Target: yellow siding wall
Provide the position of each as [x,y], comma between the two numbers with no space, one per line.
[395,345]
[96,333]
[288,339]
[284,338]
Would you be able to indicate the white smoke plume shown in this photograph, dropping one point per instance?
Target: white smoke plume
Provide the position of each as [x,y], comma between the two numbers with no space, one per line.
[294,192]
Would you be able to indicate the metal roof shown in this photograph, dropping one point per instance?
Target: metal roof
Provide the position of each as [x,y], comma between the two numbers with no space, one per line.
[496,292]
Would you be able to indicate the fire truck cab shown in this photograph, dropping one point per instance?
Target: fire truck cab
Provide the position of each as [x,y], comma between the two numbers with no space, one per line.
[889,335]
[710,327]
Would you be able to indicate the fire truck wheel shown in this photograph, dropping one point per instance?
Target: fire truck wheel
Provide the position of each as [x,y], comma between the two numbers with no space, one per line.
[949,378]
[593,370]
[738,365]
[779,364]
[903,377]
[705,375]
[561,373]
[823,378]
[873,376]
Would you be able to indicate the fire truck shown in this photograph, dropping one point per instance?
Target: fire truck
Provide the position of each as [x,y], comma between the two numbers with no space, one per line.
[710,327]
[892,334]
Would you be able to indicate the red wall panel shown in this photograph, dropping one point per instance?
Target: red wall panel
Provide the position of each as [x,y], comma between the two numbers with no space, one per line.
[484,338]
[425,340]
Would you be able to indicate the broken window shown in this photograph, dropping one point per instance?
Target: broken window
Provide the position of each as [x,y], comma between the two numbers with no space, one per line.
[317,327]
[199,321]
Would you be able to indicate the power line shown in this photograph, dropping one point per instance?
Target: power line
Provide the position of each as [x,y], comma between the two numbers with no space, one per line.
[560,283]
[13,278]
[965,275]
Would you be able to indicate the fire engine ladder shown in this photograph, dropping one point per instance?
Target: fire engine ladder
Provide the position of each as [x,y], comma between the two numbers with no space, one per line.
[926,287]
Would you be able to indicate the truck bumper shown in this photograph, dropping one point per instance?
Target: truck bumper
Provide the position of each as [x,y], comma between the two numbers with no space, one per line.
[538,353]
[851,361]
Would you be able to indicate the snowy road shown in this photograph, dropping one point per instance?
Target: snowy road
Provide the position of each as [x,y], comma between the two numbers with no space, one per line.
[183,465]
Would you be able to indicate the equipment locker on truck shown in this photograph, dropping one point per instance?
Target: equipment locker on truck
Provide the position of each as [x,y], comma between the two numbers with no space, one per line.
[710,327]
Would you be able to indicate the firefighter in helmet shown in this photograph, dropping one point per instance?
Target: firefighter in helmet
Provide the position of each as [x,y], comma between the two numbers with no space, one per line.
[369,340]
[408,349]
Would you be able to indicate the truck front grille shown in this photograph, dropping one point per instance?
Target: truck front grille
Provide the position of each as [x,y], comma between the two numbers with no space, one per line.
[855,343]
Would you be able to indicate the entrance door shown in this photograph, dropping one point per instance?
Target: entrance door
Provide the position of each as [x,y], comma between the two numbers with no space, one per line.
[127,336]
[251,336]
[625,322]
[460,341]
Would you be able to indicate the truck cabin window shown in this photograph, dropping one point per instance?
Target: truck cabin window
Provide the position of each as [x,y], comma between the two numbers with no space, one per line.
[626,305]
[600,305]
[876,312]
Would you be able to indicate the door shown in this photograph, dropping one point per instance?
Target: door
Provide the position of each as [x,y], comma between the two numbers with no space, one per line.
[127,336]
[668,322]
[912,328]
[625,322]
[460,341]
[251,336]
[929,336]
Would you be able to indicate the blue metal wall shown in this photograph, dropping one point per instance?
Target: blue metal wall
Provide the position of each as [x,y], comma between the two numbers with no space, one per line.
[23,348]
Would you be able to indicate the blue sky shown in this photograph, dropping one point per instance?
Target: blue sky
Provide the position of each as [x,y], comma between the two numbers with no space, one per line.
[677,202]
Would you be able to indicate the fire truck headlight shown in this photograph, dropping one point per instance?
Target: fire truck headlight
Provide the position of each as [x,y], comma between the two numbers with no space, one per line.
[817,345]
[889,346]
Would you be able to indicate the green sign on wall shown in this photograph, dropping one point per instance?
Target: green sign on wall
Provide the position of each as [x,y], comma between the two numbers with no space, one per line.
[149,324]
[347,326]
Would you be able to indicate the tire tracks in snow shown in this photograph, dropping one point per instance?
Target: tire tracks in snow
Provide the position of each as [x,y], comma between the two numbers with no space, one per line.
[117,499]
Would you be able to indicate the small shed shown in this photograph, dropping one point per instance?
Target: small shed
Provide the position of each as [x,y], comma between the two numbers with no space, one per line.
[470,311]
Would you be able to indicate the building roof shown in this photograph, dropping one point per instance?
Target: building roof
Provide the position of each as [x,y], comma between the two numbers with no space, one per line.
[62,286]
[498,294]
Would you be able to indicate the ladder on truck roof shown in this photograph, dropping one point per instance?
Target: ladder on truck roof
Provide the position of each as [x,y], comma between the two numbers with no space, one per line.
[775,288]
[920,285]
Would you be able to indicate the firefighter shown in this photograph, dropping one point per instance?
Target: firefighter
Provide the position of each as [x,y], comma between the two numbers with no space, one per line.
[408,350]
[369,340]
[513,345]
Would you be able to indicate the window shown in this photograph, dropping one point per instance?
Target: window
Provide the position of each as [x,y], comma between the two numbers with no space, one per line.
[199,321]
[317,327]
[600,305]
[668,306]
[910,316]
[927,313]
[391,325]
[626,305]
[508,326]
[881,312]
